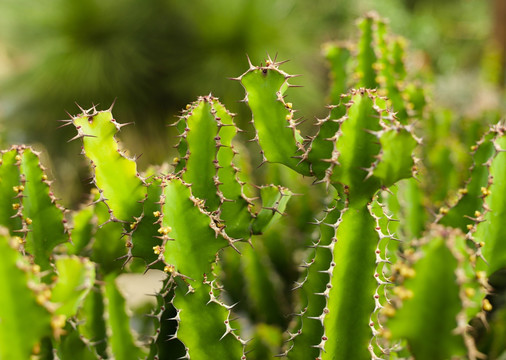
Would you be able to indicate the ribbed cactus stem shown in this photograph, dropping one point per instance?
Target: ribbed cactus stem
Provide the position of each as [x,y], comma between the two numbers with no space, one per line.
[115,175]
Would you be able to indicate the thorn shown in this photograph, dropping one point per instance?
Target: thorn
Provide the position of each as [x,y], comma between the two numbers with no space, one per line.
[112,105]
[65,123]
[249,63]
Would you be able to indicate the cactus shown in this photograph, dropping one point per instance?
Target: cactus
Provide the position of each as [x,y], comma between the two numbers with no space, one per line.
[376,282]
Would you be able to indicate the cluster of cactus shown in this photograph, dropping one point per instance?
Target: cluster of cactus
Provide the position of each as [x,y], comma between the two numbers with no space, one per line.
[378,279]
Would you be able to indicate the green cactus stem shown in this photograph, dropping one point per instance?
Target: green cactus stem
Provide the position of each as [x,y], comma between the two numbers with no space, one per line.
[488,230]
[273,118]
[34,216]
[115,175]
[436,297]
[20,304]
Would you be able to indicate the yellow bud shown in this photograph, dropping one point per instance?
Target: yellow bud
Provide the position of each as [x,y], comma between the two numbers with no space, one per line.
[18,157]
[388,310]
[289,105]
[15,206]
[469,226]
[487,306]
[44,177]
[481,275]
[289,117]
[188,106]
[407,272]
[36,269]
[165,230]
[28,221]
[175,160]
[462,191]
[157,249]
[443,210]
[58,321]
[41,298]
[409,252]
[16,189]
[470,292]
[169,269]
[477,214]
[156,213]
[474,147]
[132,226]
[385,333]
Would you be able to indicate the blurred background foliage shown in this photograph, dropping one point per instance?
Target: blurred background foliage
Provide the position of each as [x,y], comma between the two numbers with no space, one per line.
[155,56]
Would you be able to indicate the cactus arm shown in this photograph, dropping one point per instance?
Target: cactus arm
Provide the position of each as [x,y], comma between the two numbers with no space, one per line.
[395,161]
[338,57]
[190,236]
[490,231]
[433,283]
[10,176]
[205,323]
[19,305]
[42,217]
[234,209]
[115,175]
[308,329]
[272,117]
[321,149]
[201,137]
[365,155]
[471,197]
[120,339]
[207,138]
[387,73]
[356,244]
[356,148]
[366,57]
[190,241]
